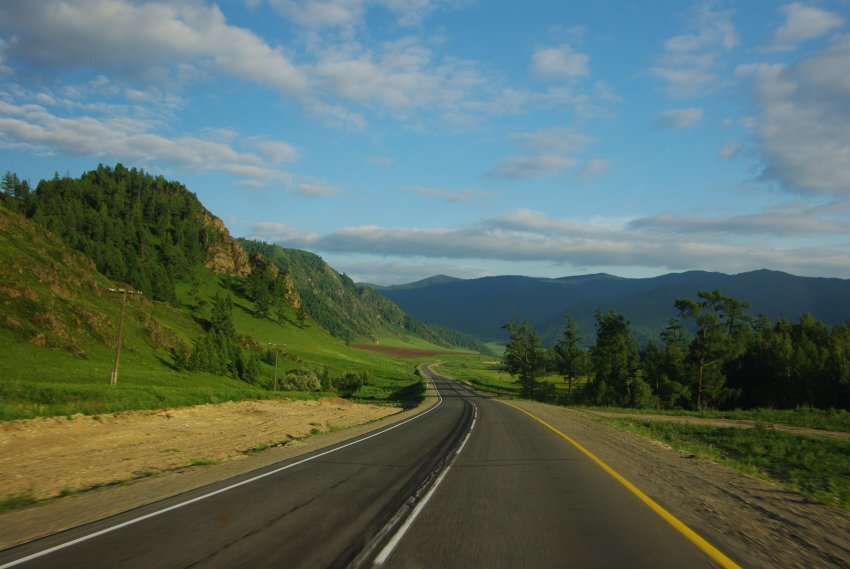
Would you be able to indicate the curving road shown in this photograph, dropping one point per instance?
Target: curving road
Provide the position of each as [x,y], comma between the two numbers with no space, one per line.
[471,482]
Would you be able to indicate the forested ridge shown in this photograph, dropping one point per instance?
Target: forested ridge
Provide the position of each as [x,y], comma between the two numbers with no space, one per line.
[137,228]
[152,234]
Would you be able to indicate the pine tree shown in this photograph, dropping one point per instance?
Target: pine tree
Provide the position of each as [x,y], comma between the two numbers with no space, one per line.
[720,335]
[524,356]
[572,360]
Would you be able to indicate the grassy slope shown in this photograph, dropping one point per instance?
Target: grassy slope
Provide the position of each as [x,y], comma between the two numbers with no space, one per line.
[309,345]
[58,324]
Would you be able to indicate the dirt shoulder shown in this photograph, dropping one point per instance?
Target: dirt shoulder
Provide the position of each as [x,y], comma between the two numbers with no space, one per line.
[731,423]
[114,463]
[753,521]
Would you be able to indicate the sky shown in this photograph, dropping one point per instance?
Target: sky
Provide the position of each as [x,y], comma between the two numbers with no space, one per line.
[400,139]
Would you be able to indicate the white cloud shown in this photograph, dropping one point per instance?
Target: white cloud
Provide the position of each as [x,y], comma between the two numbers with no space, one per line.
[679,118]
[319,14]
[689,63]
[143,39]
[316,188]
[276,151]
[559,62]
[37,129]
[521,167]
[729,150]
[452,196]
[400,76]
[545,152]
[533,236]
[594,167]
[787,222]
[802,23]
[534,222]
[170,44]
[803,124]
[282,233]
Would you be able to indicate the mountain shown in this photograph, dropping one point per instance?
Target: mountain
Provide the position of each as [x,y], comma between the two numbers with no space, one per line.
[437,279]
[481,306]
[209,310]
[345,309]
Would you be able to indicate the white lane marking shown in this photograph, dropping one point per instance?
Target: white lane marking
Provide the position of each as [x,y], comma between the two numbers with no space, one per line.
[110,529]
[391,545]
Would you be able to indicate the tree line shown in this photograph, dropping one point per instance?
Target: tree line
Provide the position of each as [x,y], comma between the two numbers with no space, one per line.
[712,355]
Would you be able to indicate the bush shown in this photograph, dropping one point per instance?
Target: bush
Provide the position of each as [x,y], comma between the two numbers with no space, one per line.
[642,396]
[348,384]
[301,379]
[325,379]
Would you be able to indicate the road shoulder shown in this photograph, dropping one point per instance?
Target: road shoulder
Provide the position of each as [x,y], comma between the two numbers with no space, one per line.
[752,520]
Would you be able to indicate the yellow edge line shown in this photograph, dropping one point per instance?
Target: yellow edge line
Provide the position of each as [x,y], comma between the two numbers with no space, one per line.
[693,536]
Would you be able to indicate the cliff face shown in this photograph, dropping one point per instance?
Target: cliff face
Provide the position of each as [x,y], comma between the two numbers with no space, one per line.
[224,254]
[292,296]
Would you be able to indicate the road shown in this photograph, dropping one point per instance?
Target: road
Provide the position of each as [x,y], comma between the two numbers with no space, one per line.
[471,482]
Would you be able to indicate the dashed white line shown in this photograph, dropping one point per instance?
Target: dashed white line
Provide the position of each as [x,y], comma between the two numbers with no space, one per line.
[392,543]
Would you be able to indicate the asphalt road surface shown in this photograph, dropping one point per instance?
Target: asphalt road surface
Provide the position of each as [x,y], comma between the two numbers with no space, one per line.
[471,482]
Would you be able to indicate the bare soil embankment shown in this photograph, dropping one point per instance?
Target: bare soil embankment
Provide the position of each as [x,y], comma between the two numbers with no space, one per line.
[755,522]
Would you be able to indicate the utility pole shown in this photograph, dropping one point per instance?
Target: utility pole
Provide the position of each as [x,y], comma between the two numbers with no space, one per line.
[274,388]
[113,377]
[275,368]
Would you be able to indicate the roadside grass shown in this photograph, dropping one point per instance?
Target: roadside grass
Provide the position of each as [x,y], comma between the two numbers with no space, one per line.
[485,372]
[16,501]
[202,462]
[823,419]
[817,467]
[482,373]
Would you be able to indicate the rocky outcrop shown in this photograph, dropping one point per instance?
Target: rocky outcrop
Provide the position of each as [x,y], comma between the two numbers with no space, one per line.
[224,254]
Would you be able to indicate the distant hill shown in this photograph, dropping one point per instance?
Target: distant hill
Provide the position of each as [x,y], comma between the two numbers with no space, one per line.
[437,279]
[481,306]
[346,310]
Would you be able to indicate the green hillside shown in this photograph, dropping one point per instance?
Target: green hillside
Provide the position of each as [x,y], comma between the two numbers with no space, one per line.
[206,328]
[349,311]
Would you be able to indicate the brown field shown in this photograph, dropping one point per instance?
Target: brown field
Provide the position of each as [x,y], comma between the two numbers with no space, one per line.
[400,352]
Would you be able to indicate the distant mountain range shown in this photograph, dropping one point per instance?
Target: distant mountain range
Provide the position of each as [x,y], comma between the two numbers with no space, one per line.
[481,306]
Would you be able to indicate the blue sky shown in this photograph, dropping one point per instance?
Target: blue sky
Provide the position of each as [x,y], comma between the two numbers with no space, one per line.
[405,138]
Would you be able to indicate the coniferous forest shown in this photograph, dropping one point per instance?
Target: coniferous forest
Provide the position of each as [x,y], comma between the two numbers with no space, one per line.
[713,355]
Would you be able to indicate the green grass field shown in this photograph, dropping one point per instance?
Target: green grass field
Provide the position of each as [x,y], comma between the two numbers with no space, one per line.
[47,381]
[485,372]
